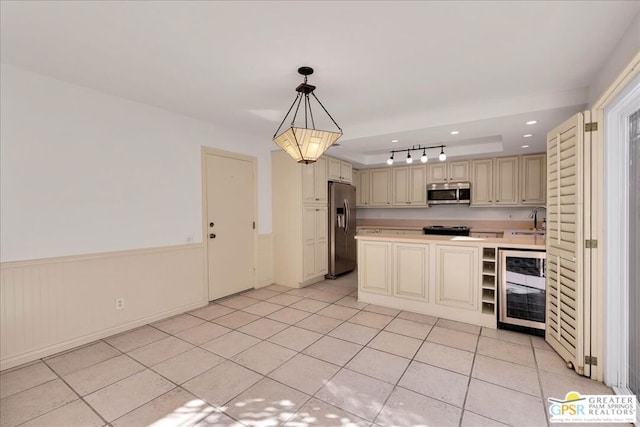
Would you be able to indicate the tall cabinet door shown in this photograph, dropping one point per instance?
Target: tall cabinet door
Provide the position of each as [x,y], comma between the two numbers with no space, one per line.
[380,190]
[362,190]
[418,185]
[482,182]
[506,175]
[533,179]
[400,186]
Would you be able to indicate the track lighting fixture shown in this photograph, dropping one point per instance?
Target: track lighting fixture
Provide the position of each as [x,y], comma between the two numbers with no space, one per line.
[442,157]
[409,159]
[423,158]
[390,160]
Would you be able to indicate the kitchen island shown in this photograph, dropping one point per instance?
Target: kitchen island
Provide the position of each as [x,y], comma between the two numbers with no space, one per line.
[453,277]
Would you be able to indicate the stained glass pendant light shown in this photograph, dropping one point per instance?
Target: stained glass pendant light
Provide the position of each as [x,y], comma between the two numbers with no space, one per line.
[305,143]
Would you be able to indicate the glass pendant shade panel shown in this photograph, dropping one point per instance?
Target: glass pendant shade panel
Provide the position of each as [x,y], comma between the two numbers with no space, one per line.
[306,145]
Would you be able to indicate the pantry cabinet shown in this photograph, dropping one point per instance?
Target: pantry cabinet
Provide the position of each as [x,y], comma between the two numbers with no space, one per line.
[314,236]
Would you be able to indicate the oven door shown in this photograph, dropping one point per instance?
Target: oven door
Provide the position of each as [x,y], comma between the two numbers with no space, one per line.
[442,196]
[522,288]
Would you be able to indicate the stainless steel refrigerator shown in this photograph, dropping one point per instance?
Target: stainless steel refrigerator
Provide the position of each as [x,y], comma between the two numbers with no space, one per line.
[342,229]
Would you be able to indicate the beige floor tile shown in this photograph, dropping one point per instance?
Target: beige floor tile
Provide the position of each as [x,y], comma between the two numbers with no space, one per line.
[409,328]
[446,386]
[261,294]
[218,419]
[469,419]
[114,401]
[230,344]
[21,379]
[31,403]
[338,312]
[325,296]
[187,365]
[444,357]
[220,384]
[212,311]
[102,374]
[506,374]
[503,350]
[81,358]
[557,386]
[262,308]
[351,302]
[370,319]
[284,299]
[236,319]
[175,408]
[238,302]
[355,333]
[263,328]
[266,403]
[74,414]
[458,326]
[263,357]
[156,352]
[202,333]
[303,292]
[178,323]
[406,408]
[295,338]
[397,344]
[417,317]
[305,373]
[310,305]
[289,315]
[277,288]
[539,342]
[316,413]
[135,338]
[453,338]
[320,324]
[378,364]
[382,310]
[505,405]
[356,393]
[333,350]
[549,360]
[510,336]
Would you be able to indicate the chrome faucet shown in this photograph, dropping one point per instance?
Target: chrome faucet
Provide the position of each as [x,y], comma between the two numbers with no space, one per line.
[534,215]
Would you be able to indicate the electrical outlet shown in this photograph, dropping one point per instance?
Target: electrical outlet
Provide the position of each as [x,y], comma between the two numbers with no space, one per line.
[119,303]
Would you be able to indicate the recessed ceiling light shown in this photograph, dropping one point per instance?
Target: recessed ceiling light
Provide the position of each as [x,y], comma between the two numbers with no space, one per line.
[532,122]
[527,135]
[394,140]
[454,132]
[525,146]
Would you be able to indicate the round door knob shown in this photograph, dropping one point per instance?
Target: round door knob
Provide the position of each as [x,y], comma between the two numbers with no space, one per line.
[211,224]
[212,236]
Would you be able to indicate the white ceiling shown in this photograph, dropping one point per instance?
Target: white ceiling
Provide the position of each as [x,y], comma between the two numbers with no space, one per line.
[411,71]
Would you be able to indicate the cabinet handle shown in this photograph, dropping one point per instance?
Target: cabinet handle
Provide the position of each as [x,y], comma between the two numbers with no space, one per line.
[523,200]
[317,198]
[497,201]
[489,201]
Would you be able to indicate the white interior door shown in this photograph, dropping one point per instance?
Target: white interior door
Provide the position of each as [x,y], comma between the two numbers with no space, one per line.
[568,305]
[230,236]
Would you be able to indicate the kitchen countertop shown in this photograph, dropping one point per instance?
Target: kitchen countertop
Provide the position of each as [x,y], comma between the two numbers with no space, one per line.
[519,242]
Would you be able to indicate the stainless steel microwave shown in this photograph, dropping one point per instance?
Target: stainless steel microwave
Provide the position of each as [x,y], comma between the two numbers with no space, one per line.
[449,193]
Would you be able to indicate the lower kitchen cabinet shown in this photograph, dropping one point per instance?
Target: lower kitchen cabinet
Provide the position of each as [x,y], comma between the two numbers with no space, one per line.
[411,271]
[314,235]
[374,267]
[457,276]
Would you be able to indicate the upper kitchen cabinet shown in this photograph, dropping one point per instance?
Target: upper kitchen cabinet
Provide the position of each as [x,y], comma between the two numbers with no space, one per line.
[339,170]
[506,181]
[362,188]
[409,186]
[314,182]
[533,179]
[380,187]
[449,172]
[482,182]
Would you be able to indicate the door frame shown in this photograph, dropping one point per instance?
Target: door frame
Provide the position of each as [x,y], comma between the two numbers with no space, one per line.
[204,152]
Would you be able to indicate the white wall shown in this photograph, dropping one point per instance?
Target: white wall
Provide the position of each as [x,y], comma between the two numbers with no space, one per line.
[450,213]
[85,172]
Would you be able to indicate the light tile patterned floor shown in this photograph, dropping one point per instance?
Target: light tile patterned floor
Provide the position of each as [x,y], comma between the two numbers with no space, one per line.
[295,357]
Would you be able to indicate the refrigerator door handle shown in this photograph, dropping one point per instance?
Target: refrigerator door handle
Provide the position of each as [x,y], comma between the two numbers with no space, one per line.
[346,210]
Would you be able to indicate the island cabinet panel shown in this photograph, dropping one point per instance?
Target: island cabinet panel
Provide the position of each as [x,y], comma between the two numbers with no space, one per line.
[374,267]
[411,272]
[457,276]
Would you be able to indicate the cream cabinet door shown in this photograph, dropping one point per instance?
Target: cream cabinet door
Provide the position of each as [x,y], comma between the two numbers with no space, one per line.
[314,182]
[457,276]
[482,182]
[506,178]
[334,169]
[400,192]
[374,267]
[314,241]
[322,241]
[437,173]
[362,191]
[458,171]
[533,179]
[380,190]
[346,172]
[417,190]
[411,272]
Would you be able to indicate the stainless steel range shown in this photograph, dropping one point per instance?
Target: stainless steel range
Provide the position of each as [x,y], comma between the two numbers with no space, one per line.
[443,230]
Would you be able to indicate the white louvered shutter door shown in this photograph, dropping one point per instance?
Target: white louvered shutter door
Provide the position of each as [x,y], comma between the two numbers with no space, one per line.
[565,317]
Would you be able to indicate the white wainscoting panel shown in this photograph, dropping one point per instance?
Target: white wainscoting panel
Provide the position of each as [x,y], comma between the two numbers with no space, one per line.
[50,305]
[264,266]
